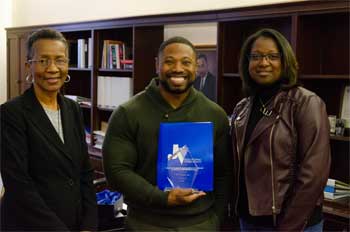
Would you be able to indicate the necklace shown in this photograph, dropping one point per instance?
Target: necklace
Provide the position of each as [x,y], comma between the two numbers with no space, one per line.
[263,108]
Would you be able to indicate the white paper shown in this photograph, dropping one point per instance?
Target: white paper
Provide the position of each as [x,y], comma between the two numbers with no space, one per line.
[345,110]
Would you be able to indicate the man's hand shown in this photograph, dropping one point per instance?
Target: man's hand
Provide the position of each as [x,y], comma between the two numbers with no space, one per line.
[179,196]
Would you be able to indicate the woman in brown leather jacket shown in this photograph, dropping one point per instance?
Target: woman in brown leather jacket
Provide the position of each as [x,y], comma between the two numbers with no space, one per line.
[280,134]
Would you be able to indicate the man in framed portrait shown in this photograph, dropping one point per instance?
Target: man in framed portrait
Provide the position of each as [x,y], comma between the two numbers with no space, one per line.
[205,81]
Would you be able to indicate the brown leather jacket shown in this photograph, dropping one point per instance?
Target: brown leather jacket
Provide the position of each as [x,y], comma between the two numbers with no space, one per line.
[287,157]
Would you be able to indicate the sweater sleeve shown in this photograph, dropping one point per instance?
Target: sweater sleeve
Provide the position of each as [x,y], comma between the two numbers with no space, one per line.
[314,153]
[120,160]
[223,168]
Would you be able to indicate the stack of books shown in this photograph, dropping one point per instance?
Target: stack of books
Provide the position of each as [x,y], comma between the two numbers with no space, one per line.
[83,101]
[99,136]
[336,189]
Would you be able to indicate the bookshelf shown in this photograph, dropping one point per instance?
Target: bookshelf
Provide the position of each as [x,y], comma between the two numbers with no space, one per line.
[317,30]
[337,216]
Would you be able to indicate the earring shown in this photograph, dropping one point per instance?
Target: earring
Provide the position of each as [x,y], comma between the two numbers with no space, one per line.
[28,79]
[68,79]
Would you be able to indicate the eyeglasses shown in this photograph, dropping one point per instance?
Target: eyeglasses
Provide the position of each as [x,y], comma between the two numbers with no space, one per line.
[259,57]
[60,62]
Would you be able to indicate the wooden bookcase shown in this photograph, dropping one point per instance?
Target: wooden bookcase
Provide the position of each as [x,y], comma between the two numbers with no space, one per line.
[317,30]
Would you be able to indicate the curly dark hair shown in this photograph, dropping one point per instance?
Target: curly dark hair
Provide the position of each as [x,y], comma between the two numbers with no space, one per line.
[289,63]
[45,33]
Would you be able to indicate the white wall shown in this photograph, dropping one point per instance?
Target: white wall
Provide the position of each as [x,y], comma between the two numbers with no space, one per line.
[34,12]
[197,33]
[41,12]
[5,21]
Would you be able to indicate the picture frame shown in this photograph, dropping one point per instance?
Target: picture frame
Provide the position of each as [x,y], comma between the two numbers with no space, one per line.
[207,68]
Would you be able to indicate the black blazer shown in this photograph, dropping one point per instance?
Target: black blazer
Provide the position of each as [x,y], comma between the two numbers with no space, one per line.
[209,88]
[48,183]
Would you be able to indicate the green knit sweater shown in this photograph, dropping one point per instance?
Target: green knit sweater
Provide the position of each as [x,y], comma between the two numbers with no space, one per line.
[130,156]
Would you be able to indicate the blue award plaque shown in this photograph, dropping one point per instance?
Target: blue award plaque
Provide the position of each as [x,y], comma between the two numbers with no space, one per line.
[185,156]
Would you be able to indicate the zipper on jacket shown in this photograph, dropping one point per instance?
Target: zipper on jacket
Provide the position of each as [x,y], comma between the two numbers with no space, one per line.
[239,171]
[274,216]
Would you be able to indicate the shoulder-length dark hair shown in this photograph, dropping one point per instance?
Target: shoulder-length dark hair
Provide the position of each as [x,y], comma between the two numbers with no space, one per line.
[289,63]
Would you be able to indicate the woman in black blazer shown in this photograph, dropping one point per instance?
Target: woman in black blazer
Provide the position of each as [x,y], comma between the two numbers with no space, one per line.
[44,161]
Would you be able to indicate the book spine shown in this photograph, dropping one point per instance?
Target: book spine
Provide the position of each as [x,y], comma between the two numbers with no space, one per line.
[81,53]
[90,52]
[113,56]
[329,189]
[331,182]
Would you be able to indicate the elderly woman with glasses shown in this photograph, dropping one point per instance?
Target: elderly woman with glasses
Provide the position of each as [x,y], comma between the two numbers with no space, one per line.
[280,135]
[44,161]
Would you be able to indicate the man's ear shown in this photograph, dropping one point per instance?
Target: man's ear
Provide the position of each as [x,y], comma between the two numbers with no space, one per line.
[157,64]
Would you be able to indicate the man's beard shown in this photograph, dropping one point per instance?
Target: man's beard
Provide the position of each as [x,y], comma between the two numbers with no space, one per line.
[168,88]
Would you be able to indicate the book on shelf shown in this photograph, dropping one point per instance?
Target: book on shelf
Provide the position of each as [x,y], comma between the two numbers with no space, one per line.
[335,196]
[100,133]
[338,184]
[112,53]
[127,64]
[113,91]
[79,99]
[81,53]
[345,109]
[114,48]
[98,146]
[185,156]
[108,92]
[336,189]
[101,96]
[84,53]
[104,126]
[90,52]
[127,61]
[332,189]
[99,137]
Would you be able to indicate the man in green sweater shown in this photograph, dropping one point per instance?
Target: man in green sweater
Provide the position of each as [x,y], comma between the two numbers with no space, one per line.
[131,143]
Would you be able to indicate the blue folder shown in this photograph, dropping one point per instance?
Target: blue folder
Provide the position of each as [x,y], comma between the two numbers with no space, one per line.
[185,156]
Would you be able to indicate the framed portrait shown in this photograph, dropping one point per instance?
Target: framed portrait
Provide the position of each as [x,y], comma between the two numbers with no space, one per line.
[206,76]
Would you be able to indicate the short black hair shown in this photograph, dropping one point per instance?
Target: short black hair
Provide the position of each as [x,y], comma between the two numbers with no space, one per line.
[176,39]
[202,56]
[289,62]
[45,33]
